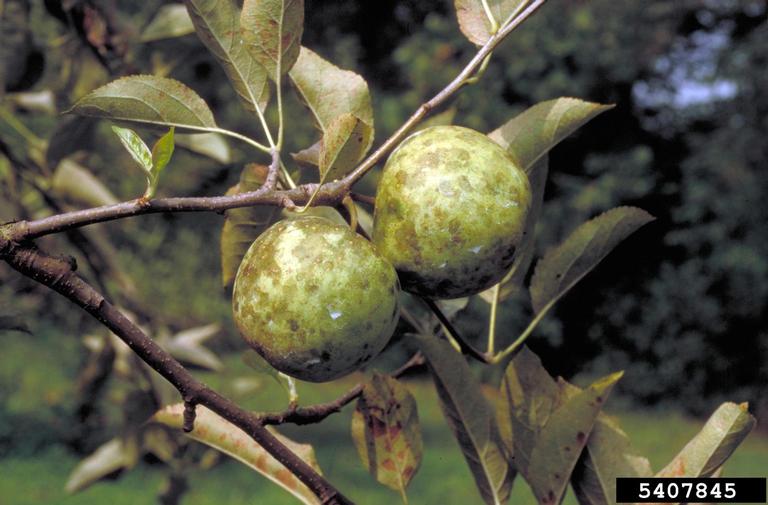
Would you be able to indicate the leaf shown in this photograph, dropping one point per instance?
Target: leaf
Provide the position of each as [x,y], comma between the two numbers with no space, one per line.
[385,429]
[216,432]
[115,455]
[77,185]
[343,145]
[272,32]
[562,267]
[135,147]
[162,152]
[549,423]
[187,346]
[714,444]
[608,455]
[242,226]
[211,145]
[341,104]
[170,21]
[474,22]
[513,280]
[470,418]
[530,135]
[148,100]
[217,23]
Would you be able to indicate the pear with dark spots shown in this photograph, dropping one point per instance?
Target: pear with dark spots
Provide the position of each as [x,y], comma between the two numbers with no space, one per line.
[315,299]
[450,212]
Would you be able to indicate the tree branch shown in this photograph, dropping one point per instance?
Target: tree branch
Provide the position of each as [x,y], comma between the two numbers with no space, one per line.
[58,274]
[328,194]
[316,413]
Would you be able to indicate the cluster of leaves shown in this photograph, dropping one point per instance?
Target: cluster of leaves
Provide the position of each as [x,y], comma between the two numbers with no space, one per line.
[548,431]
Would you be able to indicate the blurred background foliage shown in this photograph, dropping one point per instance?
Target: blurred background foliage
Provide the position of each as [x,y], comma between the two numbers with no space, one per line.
[681,305]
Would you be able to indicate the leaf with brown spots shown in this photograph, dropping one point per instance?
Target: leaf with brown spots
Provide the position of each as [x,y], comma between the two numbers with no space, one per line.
[565,265]
[548,423]
[470,418]
[386,432]
[608,455]
[243,225]
[272,32]
[341,105]
[714,444]
[217,23]
[149,100]
[530,135]
[216,432]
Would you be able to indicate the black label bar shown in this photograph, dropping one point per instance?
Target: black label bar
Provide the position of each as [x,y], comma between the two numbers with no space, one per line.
[684,490]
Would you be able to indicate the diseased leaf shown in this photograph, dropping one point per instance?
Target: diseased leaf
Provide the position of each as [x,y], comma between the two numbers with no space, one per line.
[608,455]
[470,418]
[149,100]
[77,185]
[386,432]
[343,145]
[242,226]
[330,91]
[562,267]
[272,32]
[530,135]
[135,147]
[162,152]
[217,23]
[513,281]
[211,145]
[117,454]
[549,423]
[714,444]
[474,22]
[170,21]
[216,432]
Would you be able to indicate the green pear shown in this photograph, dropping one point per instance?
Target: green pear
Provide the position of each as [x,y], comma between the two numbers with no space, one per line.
[450,212]
[315,299]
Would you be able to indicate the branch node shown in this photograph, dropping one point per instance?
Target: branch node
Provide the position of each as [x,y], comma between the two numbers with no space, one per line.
[189,416]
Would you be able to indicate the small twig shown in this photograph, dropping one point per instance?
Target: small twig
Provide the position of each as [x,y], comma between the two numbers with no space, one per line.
[359,197]
[270,183]
[316,413]
[465,347]
[189,416]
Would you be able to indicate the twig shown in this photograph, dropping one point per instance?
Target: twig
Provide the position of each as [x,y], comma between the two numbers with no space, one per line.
[316,413]
[59,275]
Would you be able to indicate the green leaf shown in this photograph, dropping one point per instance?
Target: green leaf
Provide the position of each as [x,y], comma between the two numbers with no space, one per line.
[210,145]
[272,32]
[242,226]
[474,22]
[149,100]
[162,152]
[513,280]
[533,133]
[385,429]
[341,104]
[170,21]
[135,146]
[562,267]
[77,185]
[217,432]
[608,455]
[217,23]
[344,143]
[117,454]
[714,444]
[470,418]
[549,423]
